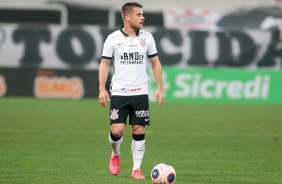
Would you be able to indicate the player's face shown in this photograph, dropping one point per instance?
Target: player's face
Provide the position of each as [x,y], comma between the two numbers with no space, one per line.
[137,18]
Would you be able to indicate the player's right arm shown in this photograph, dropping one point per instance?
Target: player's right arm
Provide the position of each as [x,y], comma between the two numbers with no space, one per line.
[103,75]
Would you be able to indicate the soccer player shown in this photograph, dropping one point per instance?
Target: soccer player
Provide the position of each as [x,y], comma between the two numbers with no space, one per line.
[128,48]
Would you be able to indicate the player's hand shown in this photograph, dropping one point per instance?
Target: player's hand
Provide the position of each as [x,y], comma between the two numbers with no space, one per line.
[159,95]
[104,97]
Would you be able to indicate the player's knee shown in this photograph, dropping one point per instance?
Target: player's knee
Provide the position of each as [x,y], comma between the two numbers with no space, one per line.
[138,129]
[117,134]
[117,131]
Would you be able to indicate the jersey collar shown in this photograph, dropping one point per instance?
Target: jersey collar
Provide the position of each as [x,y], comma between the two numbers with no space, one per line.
[126,35]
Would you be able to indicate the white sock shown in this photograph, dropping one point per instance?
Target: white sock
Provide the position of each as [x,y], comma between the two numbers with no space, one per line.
[115,145]
[138,150]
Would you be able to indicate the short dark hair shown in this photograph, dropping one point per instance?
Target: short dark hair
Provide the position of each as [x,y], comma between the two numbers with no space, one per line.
[127,7]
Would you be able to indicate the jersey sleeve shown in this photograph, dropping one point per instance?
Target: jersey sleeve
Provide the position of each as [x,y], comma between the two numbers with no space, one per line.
[108,49]
[152,50]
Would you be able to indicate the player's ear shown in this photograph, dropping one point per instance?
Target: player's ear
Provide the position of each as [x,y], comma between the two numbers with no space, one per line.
[126,17]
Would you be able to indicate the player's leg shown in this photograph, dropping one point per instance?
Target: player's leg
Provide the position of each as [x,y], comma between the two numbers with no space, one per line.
[118,117]
[139,117]
[116,137]
[138,150]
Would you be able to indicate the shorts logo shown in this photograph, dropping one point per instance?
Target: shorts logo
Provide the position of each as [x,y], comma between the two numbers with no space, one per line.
[142,113]
[114,114]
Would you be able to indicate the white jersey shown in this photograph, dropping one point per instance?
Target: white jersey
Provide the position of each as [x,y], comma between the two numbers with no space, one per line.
[129,55]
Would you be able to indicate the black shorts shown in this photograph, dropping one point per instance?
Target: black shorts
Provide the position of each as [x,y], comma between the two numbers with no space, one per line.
[134,107]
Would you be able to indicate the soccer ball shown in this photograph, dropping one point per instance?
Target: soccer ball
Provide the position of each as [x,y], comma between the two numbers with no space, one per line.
[163,174]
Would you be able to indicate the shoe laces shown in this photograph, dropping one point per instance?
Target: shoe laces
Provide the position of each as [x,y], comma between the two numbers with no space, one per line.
[138,171]
[115,160]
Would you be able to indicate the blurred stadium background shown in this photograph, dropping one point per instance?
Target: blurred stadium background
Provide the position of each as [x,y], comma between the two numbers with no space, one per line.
[222,65]
[51,49]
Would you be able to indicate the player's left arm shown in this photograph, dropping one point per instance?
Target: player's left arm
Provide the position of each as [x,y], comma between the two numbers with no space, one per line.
[157,71]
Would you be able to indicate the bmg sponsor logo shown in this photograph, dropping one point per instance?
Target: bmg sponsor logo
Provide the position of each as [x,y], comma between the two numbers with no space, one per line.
[58,87]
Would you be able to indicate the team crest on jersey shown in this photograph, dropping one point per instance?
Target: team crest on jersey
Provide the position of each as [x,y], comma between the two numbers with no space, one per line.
[114,114]
[142,42]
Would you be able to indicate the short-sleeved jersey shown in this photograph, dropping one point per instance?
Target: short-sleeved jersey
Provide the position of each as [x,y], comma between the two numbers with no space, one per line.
[129,56]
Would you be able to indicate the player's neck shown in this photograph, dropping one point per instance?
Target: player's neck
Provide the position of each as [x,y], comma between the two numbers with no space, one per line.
[129,31]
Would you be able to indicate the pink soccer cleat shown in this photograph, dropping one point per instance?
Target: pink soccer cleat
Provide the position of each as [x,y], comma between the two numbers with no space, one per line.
[114,165]
[137,174]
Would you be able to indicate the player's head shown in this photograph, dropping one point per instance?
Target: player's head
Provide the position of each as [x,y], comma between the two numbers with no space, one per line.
[132,15]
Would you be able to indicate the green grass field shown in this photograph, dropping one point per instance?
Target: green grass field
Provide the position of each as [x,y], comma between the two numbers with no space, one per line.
[66,141]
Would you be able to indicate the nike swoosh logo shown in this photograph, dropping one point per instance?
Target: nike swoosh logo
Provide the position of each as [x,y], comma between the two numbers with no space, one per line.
[146,119]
